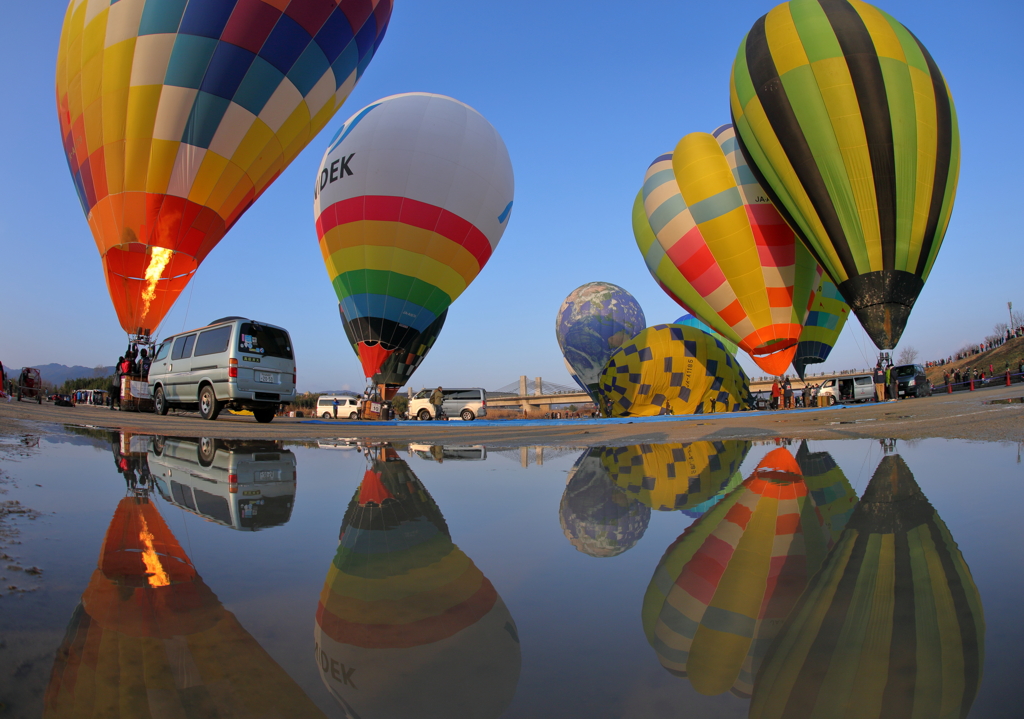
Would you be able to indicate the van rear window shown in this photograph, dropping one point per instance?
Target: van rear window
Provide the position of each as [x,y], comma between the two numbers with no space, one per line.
[262,340]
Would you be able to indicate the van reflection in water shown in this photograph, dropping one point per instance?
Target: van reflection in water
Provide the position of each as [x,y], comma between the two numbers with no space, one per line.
[150,639]
[407,625]
[242,484]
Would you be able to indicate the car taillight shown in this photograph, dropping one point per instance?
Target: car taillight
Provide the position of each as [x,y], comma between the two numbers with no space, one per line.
[232,367]
[294,371]
[232,484]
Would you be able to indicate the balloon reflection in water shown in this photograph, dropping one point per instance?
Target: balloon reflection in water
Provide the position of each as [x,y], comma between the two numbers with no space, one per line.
[669,477]
[149,638]
[723,589]
[892,625]
[598,517]
[407,625]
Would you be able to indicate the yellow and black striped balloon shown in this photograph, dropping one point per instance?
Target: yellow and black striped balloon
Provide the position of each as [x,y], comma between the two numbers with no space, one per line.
[851,126]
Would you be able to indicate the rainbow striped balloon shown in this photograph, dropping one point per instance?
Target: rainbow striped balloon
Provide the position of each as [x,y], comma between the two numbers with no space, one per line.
[412,196]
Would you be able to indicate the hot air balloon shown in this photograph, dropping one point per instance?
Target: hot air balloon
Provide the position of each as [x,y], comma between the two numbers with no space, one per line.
[691,321]
[892,625]
[851,129]
[829,488]
[826,316]
[594,321]
[598,517]
[407,625]
[672,369]
[720,231]
[674,477]
[149,638]
[412,196]
[176,116]
[723,589]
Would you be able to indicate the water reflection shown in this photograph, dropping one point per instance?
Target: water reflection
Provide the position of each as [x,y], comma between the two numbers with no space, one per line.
[407,625]
[722,590]
[150,639]
[892,626]
[598,517]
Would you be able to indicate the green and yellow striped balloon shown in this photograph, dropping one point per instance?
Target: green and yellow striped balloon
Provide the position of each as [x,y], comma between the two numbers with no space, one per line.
[851,127]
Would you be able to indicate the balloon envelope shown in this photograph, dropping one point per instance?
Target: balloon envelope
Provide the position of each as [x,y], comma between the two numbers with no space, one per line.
[673,369]
[851,128]
[176,117]
[719,229]
[594,321]
[412,196]
[691,321]
[826,316]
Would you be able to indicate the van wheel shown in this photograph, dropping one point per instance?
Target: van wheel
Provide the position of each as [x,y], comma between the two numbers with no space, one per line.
[206,451]
[353,415]
[209,407]
[326,415]
[263,416]
[832,402]
[423,415]
[467,415]
[160,402]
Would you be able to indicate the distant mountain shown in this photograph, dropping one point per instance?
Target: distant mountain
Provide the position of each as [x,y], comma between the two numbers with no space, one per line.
[59,373]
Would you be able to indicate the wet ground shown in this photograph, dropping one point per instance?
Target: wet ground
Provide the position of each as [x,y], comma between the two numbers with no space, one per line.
[186,577]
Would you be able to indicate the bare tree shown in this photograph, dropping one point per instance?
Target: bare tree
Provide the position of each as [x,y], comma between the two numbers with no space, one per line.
[1017,317]
[907,355]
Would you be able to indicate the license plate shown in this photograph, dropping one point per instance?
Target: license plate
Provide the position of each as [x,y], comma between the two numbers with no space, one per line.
[266,377]
[266,475]
[250,492]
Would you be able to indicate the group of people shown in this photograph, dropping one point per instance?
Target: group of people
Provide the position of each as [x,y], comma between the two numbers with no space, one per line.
[887,386]
[135,364]
[783,396]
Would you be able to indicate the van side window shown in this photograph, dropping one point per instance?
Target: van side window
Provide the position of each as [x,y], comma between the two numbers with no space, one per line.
[161,352]
[183,347]
[213,341]
[863,380]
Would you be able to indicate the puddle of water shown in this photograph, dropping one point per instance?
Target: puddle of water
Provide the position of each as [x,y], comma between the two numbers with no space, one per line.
[1008,400]
[340,578]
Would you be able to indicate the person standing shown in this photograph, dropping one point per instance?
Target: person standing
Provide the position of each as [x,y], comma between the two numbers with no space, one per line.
[437,400]
[787,392]
[334,406]
[115,389]
[893,382]
[776,393]
[879,376]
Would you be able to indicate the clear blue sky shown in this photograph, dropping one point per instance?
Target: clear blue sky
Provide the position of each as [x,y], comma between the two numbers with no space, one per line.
[585,94]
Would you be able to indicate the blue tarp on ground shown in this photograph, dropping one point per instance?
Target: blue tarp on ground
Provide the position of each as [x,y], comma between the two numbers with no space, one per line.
[564,422]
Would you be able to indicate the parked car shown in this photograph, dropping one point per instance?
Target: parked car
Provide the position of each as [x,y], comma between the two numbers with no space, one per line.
[912,381]
[848,388]
[233,363]
[465,402]
[348,406]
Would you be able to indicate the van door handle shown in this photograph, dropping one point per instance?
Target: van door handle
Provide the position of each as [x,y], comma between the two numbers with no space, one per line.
[170,367]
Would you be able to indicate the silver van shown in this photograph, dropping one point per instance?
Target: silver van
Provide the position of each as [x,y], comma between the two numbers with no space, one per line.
[234,363]
[848,388]
[348,406]
[465,402]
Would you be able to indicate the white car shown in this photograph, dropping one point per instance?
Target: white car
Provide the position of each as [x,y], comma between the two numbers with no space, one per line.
[468,403]
[348,406]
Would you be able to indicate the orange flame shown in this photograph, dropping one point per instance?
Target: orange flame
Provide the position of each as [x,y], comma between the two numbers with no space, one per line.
[155,573]
[159,257]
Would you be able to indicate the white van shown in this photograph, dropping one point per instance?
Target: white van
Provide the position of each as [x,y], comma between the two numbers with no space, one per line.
[233,363]
[348,406]
[465,402]
[848,388]
[243,484]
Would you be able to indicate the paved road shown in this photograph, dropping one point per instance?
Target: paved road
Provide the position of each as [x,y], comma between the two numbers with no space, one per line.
[966,415]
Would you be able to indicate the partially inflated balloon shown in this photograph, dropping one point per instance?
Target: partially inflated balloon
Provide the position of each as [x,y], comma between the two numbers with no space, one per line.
[399,365]
[852,130]
[826,316]
[176,116]
[672,369]
[594,321]
[721,232]
[691,321]
[412,196]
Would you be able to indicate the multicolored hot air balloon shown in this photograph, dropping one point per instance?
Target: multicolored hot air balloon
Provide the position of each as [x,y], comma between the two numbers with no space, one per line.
[150,639]
[672,369]
[722,234]
[851,128]
[176,116]
[829,488]
[594,321]
[598,517]
[407,625]
[412,196]
[723,589]
[892,625]
[690,321]
[826,316]
[674,477]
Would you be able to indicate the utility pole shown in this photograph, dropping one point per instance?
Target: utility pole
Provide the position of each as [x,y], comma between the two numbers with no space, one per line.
[1009,308]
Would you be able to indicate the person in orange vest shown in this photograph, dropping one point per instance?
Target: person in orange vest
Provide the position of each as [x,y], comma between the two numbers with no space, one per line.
[776,393]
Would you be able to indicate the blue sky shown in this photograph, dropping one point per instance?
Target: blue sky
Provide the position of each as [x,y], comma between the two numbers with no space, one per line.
[585,95]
